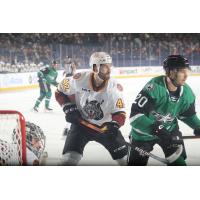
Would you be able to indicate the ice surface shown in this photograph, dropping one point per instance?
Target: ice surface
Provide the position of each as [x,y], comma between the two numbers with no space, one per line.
[94,154]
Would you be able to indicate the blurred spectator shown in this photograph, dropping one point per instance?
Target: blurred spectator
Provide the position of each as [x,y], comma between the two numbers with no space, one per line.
[25,52]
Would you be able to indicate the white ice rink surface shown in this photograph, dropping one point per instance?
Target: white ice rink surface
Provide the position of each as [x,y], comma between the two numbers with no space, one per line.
[94,154]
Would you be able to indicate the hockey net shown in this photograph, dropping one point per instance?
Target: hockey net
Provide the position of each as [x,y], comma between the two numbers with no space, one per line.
[12,138]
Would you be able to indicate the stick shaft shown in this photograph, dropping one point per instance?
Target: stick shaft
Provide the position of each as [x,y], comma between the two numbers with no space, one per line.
[91,126]
[191,137]
[100,130]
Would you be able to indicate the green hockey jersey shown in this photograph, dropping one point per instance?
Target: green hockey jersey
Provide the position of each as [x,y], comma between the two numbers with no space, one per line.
[48,74]
[156,104]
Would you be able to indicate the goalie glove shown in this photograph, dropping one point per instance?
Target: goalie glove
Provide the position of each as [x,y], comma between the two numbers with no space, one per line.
[72,114]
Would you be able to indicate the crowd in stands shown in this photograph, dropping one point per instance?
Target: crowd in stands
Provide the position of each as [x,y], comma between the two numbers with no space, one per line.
[29,51]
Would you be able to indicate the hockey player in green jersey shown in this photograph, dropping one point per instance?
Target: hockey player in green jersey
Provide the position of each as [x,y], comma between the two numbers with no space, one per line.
[155,113]
[47,76]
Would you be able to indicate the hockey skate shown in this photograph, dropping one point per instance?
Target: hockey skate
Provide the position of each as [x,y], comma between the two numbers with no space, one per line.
[35,109]
[47,109]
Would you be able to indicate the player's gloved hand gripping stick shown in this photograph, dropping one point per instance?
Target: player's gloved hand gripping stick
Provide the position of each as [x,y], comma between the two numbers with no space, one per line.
[168,160]
[72,114]
[170,139]
[103,129]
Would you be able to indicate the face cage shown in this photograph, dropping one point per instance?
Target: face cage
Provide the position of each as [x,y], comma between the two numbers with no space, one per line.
[37,152]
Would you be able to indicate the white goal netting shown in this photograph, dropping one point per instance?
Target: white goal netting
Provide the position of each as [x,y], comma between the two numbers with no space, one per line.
[12,138]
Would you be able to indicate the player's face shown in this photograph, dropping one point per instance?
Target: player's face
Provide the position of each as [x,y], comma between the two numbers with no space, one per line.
[36,143]
[181,76]
[104,71]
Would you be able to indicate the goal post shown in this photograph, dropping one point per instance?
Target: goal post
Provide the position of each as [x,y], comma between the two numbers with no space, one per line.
[12,138]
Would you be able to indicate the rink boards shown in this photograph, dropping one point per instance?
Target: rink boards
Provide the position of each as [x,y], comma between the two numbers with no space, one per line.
[29,80]
[94,154]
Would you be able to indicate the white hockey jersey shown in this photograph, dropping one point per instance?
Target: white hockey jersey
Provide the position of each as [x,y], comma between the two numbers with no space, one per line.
[96,105]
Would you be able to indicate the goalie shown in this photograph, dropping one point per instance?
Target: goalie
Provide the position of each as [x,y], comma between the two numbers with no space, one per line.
[35,145]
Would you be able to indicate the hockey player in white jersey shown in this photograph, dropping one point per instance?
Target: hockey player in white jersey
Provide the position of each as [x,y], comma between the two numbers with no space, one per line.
[96,98]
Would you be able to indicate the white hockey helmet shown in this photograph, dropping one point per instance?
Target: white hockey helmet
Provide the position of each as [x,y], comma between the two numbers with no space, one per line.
[99,58]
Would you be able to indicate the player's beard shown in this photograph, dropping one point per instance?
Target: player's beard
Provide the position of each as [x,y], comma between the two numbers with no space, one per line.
[178,82]
[174,82]
[104,77]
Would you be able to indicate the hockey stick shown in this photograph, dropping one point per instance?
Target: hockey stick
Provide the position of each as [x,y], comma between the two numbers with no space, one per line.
[190,137]
[91,126]
[167,160]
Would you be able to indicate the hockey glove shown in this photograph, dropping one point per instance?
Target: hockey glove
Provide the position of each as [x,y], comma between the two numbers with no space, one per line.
[169,139]
[55,84]
[43,80]
[112,128]
[72,113]
[40,75]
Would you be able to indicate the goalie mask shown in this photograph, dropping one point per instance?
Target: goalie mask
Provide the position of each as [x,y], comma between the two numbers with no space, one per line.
[101,63]
[35,139]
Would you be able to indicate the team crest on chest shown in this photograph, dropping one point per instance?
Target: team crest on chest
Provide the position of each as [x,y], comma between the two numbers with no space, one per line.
[163,118]
[93,110]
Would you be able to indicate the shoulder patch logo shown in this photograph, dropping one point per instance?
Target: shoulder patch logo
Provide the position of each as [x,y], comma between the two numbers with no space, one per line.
[77,76]
[150,87]
[119,87]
